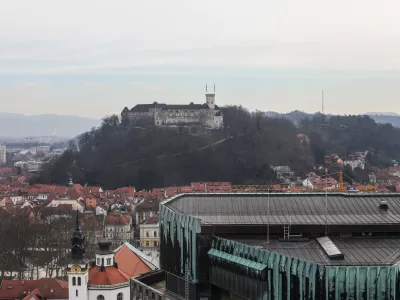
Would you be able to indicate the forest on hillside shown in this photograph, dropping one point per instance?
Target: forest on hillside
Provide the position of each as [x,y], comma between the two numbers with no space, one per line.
[115,155]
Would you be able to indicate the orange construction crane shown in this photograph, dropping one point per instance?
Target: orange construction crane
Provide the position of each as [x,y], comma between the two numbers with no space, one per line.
[341,187]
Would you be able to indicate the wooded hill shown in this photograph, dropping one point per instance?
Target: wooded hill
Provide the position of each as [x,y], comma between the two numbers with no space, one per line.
[115,155]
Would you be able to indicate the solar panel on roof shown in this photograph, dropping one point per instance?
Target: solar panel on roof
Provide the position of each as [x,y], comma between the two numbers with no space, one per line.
[330,248]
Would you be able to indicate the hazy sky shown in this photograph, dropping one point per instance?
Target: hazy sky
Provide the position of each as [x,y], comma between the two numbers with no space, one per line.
[91,58]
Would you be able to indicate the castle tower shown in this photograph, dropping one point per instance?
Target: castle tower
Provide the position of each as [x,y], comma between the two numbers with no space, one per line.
[210,98]
[78,267]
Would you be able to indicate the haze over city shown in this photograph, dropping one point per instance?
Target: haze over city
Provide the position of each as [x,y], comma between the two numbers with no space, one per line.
[93,58]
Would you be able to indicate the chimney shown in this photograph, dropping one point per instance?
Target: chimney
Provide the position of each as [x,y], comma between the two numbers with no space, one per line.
[383,205]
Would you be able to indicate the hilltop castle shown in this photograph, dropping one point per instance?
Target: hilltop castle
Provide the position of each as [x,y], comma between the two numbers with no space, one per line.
[207,114]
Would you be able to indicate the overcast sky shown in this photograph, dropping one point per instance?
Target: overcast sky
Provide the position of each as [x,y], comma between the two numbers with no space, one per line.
[92,58]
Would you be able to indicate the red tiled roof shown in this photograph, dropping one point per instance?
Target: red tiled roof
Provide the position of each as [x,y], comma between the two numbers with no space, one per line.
[60,190]
[49,288]
[110,276]
[126,190]
[198,186]
[117,220]
[77,186]
[129,262]
[141,194]
[35,294]
[153,220]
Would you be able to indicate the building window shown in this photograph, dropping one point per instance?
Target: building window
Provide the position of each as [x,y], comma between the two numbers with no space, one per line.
[120,296]
[79,281]
[108,261]
[100,297]
[73,281]
[155,243]
[155,233]
[102,261]
[147,234]
[147,243]
[77,293]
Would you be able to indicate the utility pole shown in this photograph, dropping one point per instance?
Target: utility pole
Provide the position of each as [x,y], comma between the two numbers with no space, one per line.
[326,202]
[268,220]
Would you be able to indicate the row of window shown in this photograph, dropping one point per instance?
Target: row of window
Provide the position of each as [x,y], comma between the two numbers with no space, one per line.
[102,261]
[117,229]
[120,296]
[74,281]
[155,244]
[154,234]
[186,114]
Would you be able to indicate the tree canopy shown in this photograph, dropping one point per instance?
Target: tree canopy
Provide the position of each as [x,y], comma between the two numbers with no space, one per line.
[115,155]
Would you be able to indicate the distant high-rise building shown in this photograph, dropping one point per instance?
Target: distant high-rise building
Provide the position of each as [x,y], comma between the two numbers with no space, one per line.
[3,155]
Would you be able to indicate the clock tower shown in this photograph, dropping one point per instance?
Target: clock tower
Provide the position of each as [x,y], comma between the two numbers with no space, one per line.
[78,267]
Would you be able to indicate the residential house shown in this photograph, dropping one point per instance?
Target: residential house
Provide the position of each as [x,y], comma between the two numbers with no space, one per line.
[44,288]
[101,209]
[94,190]
[75,203]
[118,228]
[150,232]
[355,163]
[319,182]
[61,211]
[146,209]
[394,171]
[90,202]
[6,203]
[372,178]
[218,187]
[199,187]
[282,171]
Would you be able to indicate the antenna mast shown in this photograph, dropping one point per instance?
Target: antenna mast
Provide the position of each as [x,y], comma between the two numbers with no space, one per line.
[322,102]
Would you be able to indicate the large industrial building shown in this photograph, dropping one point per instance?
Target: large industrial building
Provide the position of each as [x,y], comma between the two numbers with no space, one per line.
[280,246]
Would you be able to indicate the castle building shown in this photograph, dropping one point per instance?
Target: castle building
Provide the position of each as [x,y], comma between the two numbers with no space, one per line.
[207,114]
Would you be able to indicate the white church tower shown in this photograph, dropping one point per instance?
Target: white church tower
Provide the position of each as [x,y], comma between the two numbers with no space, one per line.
[210,98]
[78,267]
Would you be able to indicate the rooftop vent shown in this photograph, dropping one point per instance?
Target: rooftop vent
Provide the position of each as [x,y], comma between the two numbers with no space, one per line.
[330,248]
[383,205]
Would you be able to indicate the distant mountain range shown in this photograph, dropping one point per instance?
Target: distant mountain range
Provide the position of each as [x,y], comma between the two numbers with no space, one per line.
[296,116]
[19,125]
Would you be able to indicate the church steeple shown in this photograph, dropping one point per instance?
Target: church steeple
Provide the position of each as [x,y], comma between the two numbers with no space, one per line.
[78,244]
[78,267]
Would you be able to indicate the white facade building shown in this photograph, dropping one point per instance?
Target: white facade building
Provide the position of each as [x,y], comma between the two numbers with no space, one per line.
[102,281]
[76,205]
[3,155]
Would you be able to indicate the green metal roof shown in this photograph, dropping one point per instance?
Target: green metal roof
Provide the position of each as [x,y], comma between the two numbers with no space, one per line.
[237,260]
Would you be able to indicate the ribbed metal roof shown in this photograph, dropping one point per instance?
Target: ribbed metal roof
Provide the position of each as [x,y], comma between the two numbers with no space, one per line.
[304,209]
[356,251]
